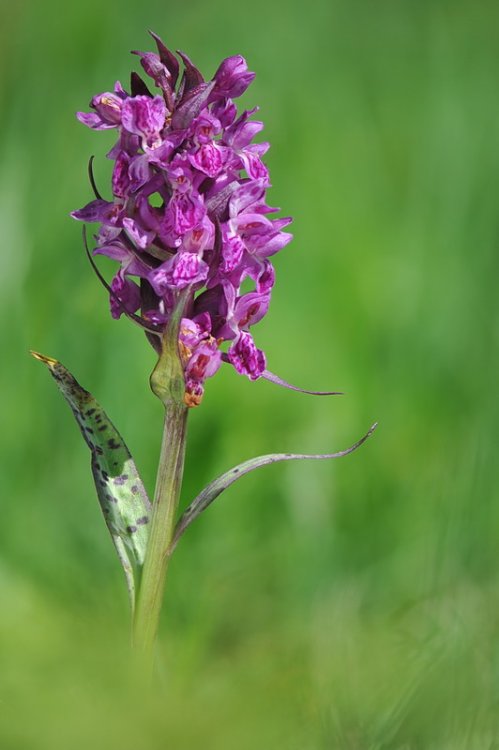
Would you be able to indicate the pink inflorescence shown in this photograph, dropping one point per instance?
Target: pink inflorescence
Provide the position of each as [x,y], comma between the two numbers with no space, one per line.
[188,210]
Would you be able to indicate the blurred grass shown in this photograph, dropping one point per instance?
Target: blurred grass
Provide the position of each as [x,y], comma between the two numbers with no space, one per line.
[350,605]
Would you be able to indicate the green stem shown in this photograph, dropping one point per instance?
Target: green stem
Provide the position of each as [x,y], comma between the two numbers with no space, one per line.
[166,497]
[167,383]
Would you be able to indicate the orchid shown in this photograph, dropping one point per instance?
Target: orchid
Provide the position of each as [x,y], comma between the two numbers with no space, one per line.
[189,228]
[186,148]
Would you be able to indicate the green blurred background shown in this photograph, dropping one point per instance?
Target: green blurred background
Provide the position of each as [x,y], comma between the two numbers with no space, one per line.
[351,604]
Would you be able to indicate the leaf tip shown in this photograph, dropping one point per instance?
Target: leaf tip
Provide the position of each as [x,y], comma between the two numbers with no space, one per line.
[49,361]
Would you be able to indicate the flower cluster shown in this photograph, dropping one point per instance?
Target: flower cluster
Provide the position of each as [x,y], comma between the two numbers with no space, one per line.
[188,216]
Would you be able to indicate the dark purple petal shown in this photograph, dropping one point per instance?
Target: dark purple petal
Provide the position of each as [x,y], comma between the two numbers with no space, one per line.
[138,86]
[192,76]
[191,106]
[167,58]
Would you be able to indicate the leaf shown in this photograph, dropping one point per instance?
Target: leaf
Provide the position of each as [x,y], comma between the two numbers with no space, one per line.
[213,490]
[120,490]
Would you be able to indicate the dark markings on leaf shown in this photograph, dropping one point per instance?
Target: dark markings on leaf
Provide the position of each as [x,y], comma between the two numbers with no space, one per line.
[142,521]
[112,464]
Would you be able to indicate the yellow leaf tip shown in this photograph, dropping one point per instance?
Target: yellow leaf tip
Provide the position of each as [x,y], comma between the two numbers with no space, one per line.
[42,358]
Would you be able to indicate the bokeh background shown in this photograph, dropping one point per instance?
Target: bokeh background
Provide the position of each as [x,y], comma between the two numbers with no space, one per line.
[351,604]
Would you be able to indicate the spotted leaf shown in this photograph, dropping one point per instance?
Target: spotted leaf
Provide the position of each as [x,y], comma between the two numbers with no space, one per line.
[122,496]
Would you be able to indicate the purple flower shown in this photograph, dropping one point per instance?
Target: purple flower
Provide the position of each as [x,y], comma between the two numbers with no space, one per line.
[107,108]
[208,159]
[232,77]
[145,117]
[125,296]
[189,211]
[246,358]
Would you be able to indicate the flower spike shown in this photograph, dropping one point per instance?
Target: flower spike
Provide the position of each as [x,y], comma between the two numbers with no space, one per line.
[208,229]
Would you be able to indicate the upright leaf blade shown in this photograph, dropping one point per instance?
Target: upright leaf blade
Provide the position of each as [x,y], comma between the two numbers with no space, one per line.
[122,496]
[215,488]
